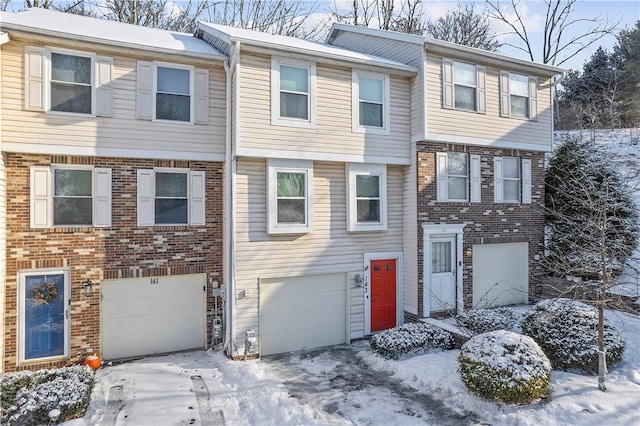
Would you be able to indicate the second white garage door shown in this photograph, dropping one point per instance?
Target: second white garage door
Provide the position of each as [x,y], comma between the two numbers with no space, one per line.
[500,274]
[145,316]
[302,312]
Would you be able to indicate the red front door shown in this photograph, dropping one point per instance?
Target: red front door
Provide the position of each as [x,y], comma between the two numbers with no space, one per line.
[383,294]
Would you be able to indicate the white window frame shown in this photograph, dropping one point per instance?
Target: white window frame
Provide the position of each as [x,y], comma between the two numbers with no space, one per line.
[505,96]
[192,70]
[385,129]
[473,178]
[49,70]
[274,166]
[353,170]
[276,119]
[42,190]
[196,206]
[524,178]
[21,313]
[448,86]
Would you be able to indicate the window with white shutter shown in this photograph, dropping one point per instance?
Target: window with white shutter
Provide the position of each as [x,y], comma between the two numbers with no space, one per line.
[512,180]
[518,96]
[457,177]
[463,86]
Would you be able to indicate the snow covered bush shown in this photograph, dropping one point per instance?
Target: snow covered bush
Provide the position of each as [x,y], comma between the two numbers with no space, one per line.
[506,366]
[410,337]
[28,396]
[484,320]
[567,331]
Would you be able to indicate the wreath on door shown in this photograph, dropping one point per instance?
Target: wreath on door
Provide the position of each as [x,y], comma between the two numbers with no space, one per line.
[45,291]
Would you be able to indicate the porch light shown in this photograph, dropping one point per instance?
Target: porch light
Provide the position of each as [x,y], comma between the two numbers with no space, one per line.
[87,287]
[469,251]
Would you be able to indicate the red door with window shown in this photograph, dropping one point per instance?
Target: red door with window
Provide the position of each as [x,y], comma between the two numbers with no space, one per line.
[383,294]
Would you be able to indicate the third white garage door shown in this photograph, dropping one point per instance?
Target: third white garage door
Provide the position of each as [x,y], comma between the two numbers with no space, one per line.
[500,274]
[145,316]
[302,312]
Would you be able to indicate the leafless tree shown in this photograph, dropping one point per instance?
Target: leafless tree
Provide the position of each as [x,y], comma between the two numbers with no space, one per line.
[405,16]
[565,35]
[164,14]
[464,26]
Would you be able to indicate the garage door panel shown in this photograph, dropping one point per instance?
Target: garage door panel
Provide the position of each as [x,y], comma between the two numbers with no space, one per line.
[500,274]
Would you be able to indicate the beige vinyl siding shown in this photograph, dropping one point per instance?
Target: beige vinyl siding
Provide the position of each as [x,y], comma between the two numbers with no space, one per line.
[3,228]
[121,131]
[417,105]
[333,133]
[329,248]
[491,125]
[410,236]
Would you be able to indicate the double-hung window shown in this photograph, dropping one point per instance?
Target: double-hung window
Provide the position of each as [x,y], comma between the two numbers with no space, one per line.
[366,197]
[68,81]
[173,93]
[458,176]
[64,195]
[171,196]
[512,180]
[292,93]
[371,106]
[463,86]
[289,196]
[518,95]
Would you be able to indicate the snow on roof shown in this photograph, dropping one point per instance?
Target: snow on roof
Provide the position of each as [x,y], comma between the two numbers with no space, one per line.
[67,25]
[297,45]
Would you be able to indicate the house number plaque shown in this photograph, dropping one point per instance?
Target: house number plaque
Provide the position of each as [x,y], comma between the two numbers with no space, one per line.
[155,281]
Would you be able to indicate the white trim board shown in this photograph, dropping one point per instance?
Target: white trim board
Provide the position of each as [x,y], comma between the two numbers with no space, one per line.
[319,156]
[495,143]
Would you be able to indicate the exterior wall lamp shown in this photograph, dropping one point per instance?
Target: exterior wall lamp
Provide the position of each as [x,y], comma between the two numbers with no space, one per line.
[469,251]
[87,287]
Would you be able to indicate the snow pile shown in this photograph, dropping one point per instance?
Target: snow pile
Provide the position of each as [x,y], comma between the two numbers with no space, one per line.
[505,366]
[410,338]
[28,397]
[485,320]
[567,331]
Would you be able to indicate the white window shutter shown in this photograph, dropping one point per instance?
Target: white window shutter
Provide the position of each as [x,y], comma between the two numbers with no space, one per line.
[505,99]
[526,181]
[104,86]
[533,98]
[35,79]
[441,177]
[40,202]
[146,197]
[447,83]
[102,198]
[481,98]
[201,96]
[498,187]
[196,198]
[475,178]
[144,98]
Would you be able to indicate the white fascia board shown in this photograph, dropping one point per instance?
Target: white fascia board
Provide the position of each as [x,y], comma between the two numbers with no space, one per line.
[357,29]
[496,143]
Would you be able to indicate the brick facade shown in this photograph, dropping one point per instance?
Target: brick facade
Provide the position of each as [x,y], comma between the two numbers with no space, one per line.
[122,251]
[486,222]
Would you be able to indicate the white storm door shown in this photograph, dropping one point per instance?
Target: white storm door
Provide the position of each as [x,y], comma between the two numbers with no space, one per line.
[443,274]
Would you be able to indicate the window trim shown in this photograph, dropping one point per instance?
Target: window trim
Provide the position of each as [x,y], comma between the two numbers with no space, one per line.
[448,86]
[192,94]
[355,103]
[511,179]
[48,76]
[352,170]
[473,176]
[475,87]
[505,96]
[55,167]
[168,170]
[296,166]
[525,184]
[276,119]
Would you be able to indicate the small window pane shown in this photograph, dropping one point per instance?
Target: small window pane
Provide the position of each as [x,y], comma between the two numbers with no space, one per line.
[72,211]
[75,183]
[370,90]
[511,167]
[464,74]
[293,105]
[441,257]
[44,307]
[293,79]
[70,98]
[512,190]
[71,69]
[173,80]
[367,186]
[368,211]
[291,211]
[171,211]
[519,85]
[457,163]
[457,188]
[371,114]
[519,107]
[291,184]
[465,97]
[171,184]
[173,107]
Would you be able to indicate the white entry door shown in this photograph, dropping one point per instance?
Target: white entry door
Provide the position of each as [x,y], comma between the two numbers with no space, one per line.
[443,274]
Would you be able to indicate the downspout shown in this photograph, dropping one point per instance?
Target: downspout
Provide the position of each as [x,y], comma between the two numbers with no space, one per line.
[4,38]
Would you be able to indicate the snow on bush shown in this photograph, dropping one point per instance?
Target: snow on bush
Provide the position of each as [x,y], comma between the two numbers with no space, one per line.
[409,338]
[567,331]
[28,396]
[506,366]
[485,320]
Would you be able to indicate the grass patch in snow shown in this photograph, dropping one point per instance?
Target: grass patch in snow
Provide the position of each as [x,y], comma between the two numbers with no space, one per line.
[27,397]
[410,338]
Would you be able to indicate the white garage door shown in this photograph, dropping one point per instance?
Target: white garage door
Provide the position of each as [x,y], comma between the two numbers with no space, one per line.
[500,274]
[144,316]
[302,313]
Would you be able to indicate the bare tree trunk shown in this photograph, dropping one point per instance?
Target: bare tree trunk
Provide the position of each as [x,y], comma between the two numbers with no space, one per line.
[602,354]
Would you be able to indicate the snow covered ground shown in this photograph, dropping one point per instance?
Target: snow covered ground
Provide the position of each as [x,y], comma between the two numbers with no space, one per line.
[351,385]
